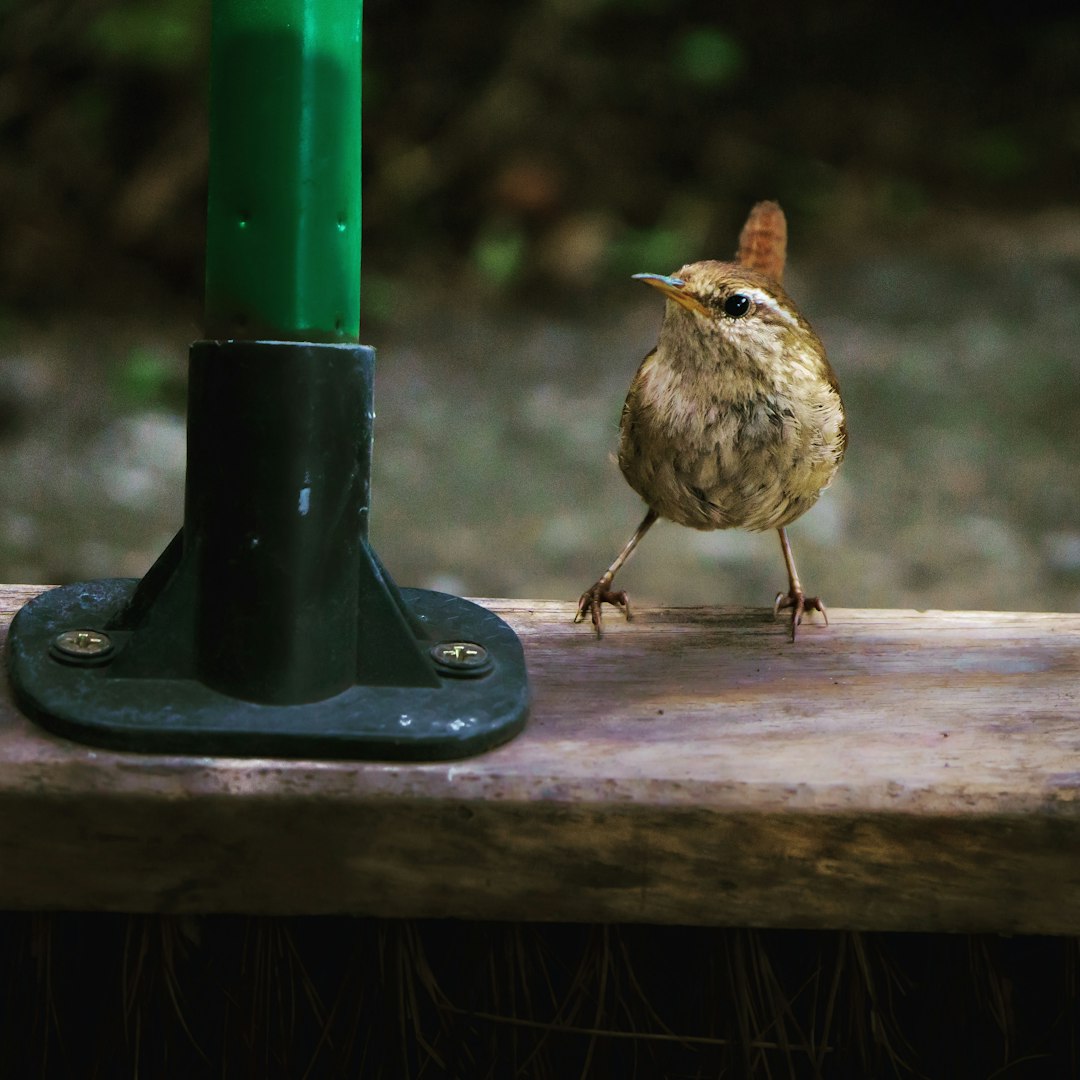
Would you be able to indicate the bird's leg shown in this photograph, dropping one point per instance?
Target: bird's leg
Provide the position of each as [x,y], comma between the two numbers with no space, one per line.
[601,593]
[795,599]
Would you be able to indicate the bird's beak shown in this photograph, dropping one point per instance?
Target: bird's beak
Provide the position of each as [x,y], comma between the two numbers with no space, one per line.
[675,289]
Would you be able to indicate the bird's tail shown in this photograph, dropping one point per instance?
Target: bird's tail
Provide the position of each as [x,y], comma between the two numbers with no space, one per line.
[763,240]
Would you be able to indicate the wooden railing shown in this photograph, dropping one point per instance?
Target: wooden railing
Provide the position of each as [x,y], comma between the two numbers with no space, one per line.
[895,770]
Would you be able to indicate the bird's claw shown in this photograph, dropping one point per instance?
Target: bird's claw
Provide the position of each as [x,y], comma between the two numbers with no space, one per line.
[594,597]
[799,603]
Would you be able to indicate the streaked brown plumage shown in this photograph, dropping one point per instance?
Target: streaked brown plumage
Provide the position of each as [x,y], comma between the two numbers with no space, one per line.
[735,419]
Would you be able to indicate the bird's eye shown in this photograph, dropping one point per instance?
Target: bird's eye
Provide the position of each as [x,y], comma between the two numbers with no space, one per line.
[737,305]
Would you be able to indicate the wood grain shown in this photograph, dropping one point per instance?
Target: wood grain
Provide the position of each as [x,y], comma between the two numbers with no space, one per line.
[896,770]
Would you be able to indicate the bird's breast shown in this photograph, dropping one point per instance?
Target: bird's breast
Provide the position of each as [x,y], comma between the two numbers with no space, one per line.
[720,456]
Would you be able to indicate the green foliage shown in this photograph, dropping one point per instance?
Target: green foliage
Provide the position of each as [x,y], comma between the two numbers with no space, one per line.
[708,57]
[650,251]
[374,86]
[146,379]
[997,155]
[902,199]
[167,34]
[499,253]
[376,297]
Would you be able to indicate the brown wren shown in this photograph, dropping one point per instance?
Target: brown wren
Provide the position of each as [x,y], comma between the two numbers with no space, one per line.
[735,419]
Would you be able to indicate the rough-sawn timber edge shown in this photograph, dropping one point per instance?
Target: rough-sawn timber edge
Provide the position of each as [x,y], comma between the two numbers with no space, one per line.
[896,770]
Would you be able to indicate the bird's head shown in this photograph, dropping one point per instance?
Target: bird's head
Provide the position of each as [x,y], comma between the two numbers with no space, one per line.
[726,305]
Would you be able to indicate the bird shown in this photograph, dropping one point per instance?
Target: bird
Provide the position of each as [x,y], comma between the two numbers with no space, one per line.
[734,419]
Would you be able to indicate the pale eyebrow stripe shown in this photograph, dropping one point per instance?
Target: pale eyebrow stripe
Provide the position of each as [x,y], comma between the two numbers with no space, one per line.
[763,299]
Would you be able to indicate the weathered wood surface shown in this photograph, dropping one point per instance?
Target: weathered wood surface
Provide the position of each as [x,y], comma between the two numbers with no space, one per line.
[897,770]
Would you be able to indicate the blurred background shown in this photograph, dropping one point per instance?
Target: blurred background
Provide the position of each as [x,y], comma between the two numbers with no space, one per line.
[522,160]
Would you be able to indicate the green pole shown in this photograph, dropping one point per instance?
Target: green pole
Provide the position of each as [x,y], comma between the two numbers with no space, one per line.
[283,218]
[269,626]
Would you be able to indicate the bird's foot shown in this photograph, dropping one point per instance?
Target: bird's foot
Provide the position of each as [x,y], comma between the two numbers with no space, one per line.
[597,595]
[799,603]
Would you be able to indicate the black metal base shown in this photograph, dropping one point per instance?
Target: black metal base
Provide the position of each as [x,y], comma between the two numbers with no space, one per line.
[87,701]
[269,627]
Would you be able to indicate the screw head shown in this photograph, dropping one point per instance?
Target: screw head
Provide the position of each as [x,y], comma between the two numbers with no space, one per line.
[82,646]
[461,658]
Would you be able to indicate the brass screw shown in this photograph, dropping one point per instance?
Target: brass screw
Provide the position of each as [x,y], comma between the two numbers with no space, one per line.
[84,645]
[461,657]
